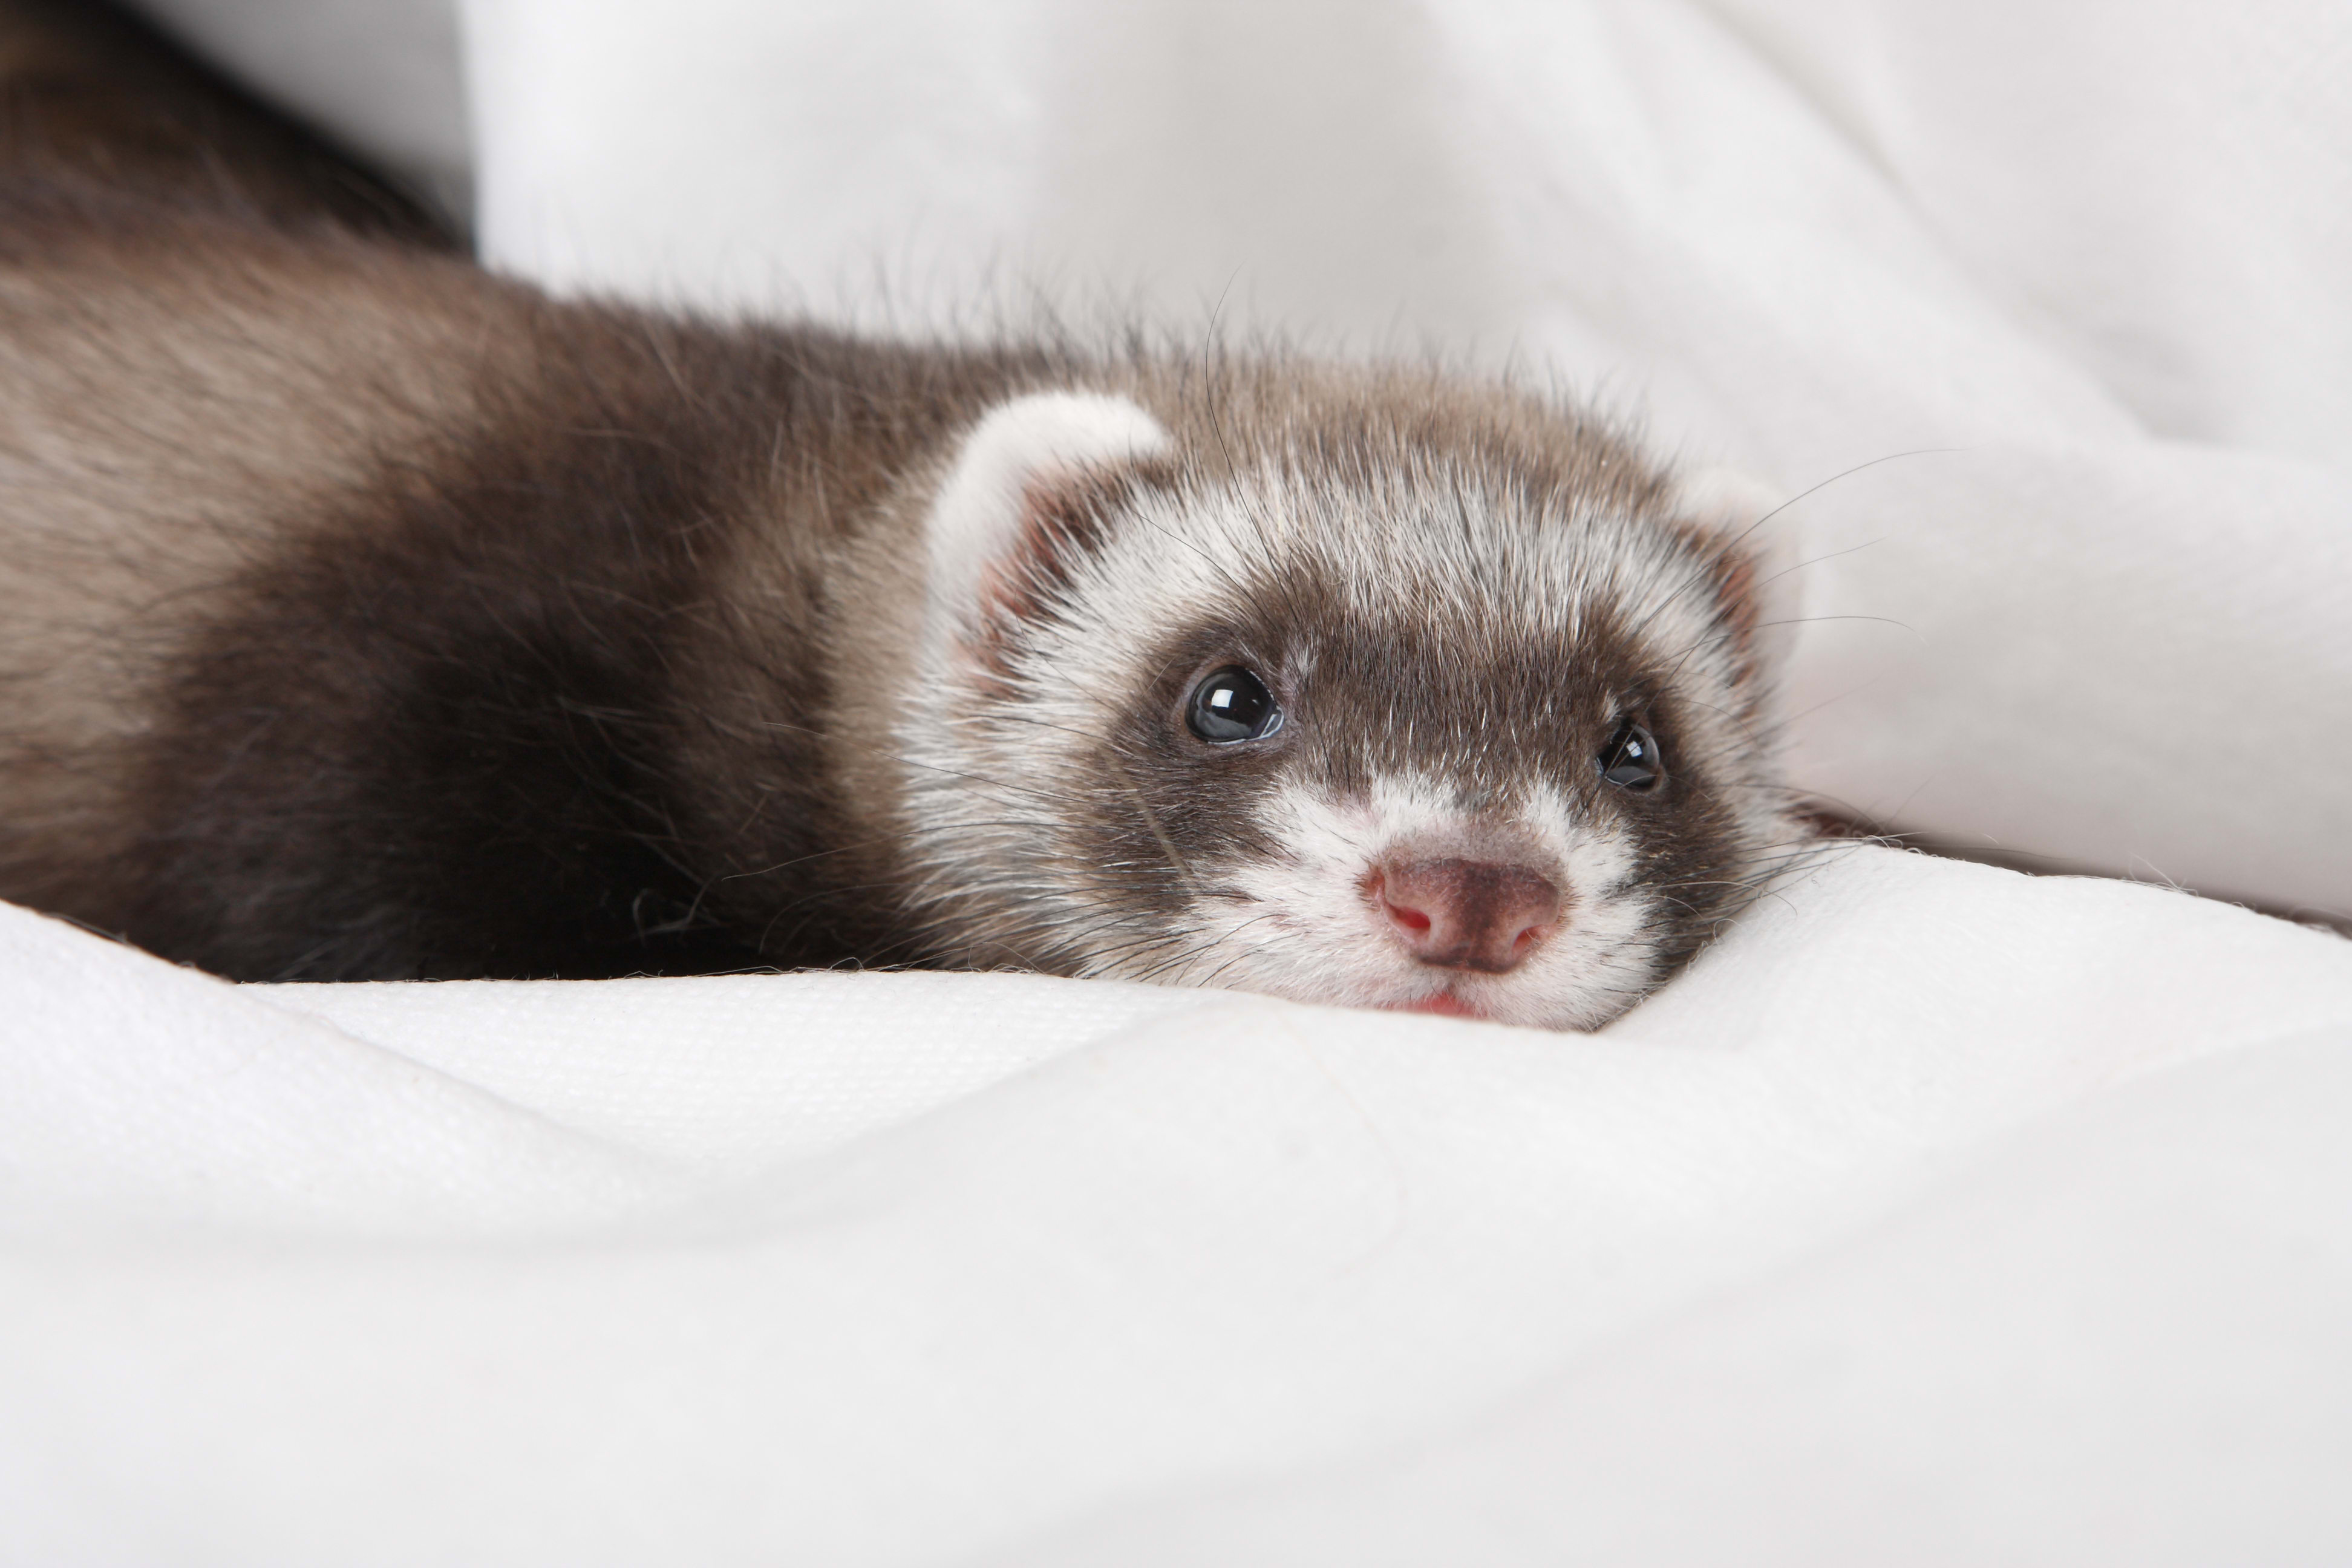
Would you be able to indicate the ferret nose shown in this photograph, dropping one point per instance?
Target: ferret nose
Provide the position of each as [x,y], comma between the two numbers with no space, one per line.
[1467,915]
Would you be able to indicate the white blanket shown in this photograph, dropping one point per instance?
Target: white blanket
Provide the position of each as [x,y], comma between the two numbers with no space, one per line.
[1939,1214]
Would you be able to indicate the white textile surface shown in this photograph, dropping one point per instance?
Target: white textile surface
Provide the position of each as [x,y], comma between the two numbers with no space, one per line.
[1940,1215]
[898,1269]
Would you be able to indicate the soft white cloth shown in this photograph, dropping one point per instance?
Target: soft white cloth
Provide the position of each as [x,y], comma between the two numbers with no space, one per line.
[1938,1215]
[660,1271]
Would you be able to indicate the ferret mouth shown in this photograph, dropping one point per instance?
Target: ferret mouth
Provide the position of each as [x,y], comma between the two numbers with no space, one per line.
[1445,1004]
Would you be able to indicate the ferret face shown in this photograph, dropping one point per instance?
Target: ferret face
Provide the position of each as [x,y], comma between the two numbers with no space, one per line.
[1381,717]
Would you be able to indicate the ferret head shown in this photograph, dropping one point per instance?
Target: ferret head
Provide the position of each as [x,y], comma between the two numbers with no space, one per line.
[1412,696]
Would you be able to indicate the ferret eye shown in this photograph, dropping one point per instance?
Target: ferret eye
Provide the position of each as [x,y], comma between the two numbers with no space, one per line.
[1631,759]
[1232,705]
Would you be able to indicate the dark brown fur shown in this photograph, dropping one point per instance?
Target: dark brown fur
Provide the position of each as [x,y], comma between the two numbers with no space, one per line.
[425,707]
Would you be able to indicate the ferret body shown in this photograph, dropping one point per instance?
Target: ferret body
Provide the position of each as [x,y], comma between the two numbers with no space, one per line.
[365,616]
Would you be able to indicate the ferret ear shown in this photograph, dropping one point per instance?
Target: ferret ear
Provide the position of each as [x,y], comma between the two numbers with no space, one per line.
[1019,489]
[1757,581]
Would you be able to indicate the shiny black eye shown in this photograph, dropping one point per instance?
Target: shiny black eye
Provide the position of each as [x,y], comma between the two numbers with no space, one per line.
[1631,759]
[1232,705]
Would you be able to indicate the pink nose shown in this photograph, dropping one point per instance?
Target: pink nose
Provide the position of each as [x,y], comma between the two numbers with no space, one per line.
[1467,915]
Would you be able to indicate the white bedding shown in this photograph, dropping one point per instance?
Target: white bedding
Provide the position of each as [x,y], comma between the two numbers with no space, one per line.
[1939,1214]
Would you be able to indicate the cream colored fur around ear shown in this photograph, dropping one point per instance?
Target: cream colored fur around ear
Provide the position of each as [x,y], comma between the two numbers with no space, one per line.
[1744,513]
[1019,449]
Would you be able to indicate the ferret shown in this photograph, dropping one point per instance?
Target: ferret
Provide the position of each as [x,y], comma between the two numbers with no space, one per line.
[365,616]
